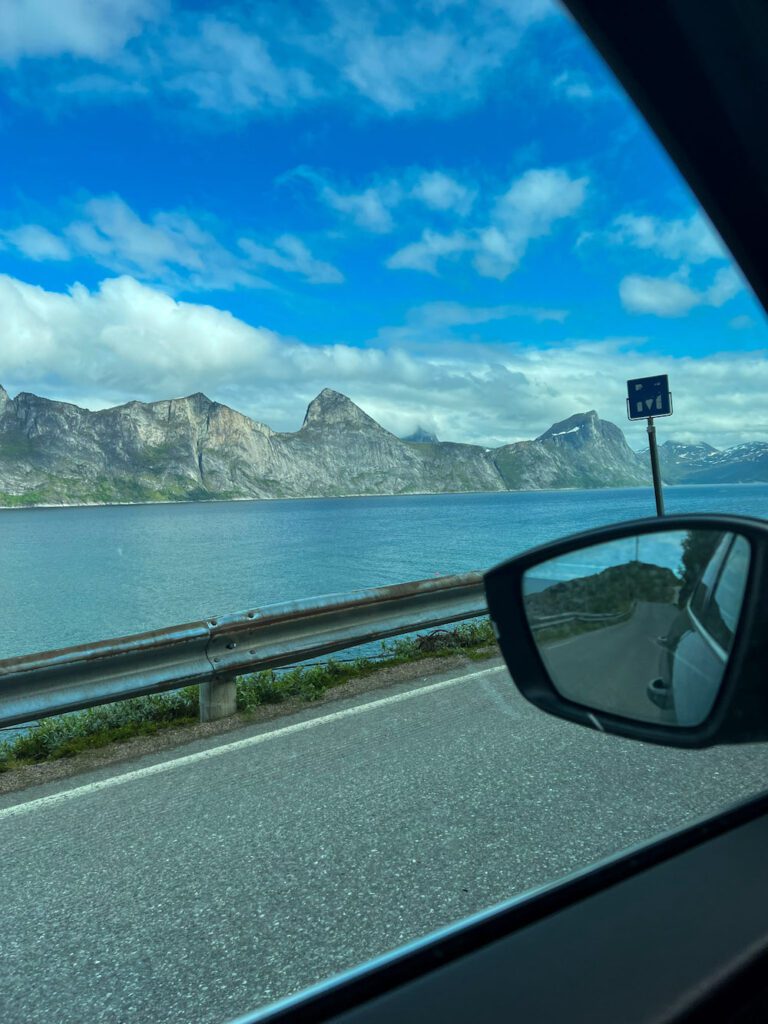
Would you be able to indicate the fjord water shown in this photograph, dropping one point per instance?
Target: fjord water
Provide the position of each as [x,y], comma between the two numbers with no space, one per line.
[71,575]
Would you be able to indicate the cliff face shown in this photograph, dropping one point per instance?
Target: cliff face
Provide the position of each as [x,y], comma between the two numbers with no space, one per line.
[190,448]
[55,452]
[341,450]
[582,451]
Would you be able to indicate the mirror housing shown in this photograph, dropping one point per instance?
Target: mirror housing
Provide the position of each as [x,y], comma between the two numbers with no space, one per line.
[739,708]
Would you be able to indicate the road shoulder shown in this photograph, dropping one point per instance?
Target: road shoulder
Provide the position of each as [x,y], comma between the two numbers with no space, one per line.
[157,747]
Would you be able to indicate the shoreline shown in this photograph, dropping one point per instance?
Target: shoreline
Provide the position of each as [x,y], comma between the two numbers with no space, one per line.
[387,494]
[303,497]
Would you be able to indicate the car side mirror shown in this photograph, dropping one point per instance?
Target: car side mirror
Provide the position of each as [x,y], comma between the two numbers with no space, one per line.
[655,630]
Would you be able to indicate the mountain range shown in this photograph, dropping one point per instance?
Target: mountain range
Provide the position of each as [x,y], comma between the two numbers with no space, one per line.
[193,448]
[702,464]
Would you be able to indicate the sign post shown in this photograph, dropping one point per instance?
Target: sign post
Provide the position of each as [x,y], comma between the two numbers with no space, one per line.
[648,397]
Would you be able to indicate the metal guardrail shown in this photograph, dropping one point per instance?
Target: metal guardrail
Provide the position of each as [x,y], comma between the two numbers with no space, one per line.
[213,652]
[544,621]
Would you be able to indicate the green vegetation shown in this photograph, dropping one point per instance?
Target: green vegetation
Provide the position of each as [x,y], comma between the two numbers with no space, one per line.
[47,491]
[265,484]
[68,735]
[104,490]
[23,500]
[116,489]
[150,456]
[14,444]
[610,591]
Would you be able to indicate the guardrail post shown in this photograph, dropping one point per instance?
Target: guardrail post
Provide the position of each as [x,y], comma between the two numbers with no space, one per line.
[218,698]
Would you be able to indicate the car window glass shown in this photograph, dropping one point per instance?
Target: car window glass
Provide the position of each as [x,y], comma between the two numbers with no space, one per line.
[304,299]
[703,589]
[722,613]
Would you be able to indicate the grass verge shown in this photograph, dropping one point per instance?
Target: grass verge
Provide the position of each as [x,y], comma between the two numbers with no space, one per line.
[68,735]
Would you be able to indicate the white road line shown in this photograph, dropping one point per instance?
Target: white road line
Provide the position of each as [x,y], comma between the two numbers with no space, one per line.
[225,748]
[560,643]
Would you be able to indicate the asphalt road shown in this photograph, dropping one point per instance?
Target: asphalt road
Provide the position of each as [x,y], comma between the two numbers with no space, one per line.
[611,668]
[198,888]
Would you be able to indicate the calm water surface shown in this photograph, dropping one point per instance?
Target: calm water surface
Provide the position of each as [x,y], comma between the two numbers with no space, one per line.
[69,575]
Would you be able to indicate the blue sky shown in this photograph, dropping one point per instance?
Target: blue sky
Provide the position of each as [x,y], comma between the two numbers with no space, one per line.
[447,211]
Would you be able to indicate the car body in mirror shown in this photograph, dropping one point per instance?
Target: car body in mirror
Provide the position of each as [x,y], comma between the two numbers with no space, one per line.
[698,645]
[653,629]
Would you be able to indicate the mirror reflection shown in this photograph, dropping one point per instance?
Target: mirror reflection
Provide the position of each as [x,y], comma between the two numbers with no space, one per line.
[641,627]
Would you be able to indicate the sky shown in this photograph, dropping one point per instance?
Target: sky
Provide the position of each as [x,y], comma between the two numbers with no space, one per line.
[661,549]
[447,211]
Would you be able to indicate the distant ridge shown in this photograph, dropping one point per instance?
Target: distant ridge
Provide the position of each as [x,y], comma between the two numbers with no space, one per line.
[193,448]
[421,436]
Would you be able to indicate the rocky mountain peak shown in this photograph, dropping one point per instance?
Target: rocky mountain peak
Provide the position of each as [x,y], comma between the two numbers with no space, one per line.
[581,451]
[191,448]
[197,402]
[332,409]
[198,399]
[422,436]
[576,427]
[681,448]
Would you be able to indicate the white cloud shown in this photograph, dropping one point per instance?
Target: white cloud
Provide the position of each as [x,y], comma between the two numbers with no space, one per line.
[243,59]
[440,191]
[369,209]
[456,314]
[741,323]
[230,70]
[170,247]
[37,243]
[657,295]
[291,255]
[117,236]
[693,240]
[372,208]
[529,209]
[91,29]
[673,297]
[444,322]
[426,253]
[573,86]
[123,332]
[126,340]
[537,199]
[401,65]
[725,286]
[401,72]
[104,87]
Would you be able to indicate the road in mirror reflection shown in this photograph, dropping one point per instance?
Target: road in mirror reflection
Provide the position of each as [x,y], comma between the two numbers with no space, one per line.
[641,627]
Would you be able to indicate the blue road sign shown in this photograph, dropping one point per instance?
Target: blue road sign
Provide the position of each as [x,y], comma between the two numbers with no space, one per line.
[648,396]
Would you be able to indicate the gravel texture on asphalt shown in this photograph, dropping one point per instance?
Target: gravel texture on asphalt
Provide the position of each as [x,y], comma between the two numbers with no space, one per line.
[246,867]
[171,738]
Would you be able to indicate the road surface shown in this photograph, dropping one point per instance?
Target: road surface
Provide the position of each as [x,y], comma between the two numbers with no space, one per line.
[611,668]
[196,888]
